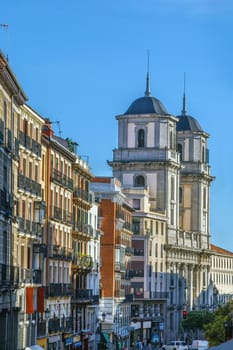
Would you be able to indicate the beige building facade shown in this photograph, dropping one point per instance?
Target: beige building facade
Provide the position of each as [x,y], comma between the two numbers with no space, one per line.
[162,163]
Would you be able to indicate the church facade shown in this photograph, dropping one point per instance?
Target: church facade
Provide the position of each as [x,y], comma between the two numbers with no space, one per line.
[163,164]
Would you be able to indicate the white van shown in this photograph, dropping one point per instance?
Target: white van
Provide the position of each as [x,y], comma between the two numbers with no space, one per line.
[199,345]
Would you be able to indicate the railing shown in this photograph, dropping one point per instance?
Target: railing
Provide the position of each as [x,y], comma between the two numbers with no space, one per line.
[36,148]
[129,251]
[136,273]
[25,275]
[67,217]
[127,226]
[41,328]
[83,262]
[83,295]
[28,185]
[29,227]
[61,253]
[82,194]
[138,252]
[37,276]
[120,293]
[59,289]
[158,295]
[119,266]
[61,215]
[9,276]
[30,144]
[54,325]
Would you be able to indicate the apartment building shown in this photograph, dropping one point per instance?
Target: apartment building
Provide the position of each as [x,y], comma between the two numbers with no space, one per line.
[12,97]
[84,266]
[221,276]
[28,249]
[115,251]
[57,175]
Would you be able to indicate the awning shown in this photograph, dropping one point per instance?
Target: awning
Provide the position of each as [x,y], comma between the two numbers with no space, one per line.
[34,347]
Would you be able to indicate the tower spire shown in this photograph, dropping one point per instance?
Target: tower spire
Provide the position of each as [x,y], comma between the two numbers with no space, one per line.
[147,92]
[183,112]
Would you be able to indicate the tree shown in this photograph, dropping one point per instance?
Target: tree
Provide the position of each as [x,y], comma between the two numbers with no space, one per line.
[196,320]
[215,332]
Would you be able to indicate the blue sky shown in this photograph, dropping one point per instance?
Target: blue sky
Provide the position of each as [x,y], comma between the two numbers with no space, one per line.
[82,62]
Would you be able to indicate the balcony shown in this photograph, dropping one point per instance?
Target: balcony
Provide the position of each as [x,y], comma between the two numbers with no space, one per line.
[27,185]
[9,276]
[67,217]
[41,328]
[56,213]
[67,182]
[54,325]
[83,296]
[25,275]
[59,289]
[37,276]
[83,195]
[120,267]
[136,273]
[119,293]
[138,252]
[82,263]
[61,253]
[127,226]
[28,227]
[129,251]
[36,148]
[56,176]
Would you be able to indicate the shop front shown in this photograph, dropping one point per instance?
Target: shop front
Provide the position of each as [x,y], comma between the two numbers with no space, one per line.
[54,342]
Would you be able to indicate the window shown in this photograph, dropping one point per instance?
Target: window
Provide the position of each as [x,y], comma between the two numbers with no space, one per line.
[172,188]
[141,138]
[180,195]
[36,173]
[180,150]
[140,181]
[204,198]
[203,154]
[136,227]
[136,204]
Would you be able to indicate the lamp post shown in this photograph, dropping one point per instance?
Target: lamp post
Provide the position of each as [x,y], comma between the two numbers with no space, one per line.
[79,314]
[101,321]
[47,316]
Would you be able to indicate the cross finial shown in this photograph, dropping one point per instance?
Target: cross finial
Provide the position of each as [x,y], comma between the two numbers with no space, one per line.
[184,98]
[147,92]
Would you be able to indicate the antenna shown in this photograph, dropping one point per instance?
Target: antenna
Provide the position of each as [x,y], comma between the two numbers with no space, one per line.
[59,126]
[147,92]
[5,26]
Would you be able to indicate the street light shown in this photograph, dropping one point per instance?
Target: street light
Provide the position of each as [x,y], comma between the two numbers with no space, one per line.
[79,314]
[101,321]
[47,316]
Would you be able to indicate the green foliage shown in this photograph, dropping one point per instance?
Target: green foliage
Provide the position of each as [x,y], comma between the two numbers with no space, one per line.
[215,332]
[197,320]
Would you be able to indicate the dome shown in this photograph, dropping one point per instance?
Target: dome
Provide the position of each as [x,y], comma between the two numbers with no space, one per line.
[146,105]
[188,123]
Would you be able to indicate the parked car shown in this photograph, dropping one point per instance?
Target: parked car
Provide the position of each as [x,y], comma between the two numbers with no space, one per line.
[200,345]
[175,345]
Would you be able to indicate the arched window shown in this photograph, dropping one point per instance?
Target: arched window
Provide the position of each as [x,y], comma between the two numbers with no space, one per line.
[141,138]
[180,150]
[139,181]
